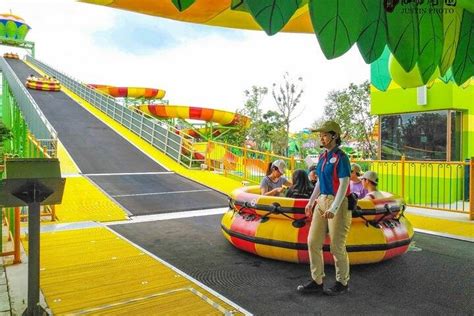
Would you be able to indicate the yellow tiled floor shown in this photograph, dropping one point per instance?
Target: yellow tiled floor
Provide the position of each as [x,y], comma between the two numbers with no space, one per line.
[83,201]
[93,271]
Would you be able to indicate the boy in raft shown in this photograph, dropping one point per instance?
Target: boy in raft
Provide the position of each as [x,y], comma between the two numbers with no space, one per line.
[370,180]
[331,213]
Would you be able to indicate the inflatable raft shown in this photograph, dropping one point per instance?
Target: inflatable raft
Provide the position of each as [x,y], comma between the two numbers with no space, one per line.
[43,83]
[277,228]
[11,56]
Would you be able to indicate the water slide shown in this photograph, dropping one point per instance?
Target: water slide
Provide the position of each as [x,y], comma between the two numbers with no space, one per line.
[130,92]
[160,111]
[223,118]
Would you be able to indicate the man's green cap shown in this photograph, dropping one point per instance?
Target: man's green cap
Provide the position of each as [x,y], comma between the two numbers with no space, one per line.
[329,126]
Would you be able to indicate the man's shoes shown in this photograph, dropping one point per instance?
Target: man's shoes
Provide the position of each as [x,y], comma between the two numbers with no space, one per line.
[337,289]
[310,287]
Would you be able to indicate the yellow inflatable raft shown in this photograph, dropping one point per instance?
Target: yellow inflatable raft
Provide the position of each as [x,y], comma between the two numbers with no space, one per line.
[11,56]
[277,228]
[43,83]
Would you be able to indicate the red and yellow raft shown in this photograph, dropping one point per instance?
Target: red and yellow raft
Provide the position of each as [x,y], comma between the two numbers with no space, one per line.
[11,55]
[43,83]
[277,228]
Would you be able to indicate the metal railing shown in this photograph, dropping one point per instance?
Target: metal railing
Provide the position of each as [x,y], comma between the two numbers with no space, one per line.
[37,123]
[425,184]
[157,133]
[435,185]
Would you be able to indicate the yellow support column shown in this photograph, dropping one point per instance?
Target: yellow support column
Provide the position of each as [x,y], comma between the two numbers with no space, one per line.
[292,164]
[208,155]
[403,175]
[471,189]
[222,162]
[244,163]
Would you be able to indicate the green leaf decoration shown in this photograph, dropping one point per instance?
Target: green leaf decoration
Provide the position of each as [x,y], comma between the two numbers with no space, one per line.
[182,5]
[430,18]
[22,31]
[379,72]
[337,24]
[463,65]
[466,4]
[3,30]
[11,29]
[239,5]
[402,34]
[372,40]
[448,76]
[272,15]
[451,27]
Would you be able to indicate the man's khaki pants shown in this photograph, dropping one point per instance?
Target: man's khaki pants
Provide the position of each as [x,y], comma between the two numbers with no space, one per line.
[338,228]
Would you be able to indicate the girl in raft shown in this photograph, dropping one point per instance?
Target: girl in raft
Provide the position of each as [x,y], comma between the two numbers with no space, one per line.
[273,183]
[302,187]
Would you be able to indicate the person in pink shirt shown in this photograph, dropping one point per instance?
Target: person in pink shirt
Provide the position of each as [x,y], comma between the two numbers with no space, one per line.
[356,185]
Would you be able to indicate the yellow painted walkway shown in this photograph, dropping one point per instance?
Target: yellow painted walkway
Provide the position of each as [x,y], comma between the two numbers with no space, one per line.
[443,226]
[68,166]
[94,271]
[84,201]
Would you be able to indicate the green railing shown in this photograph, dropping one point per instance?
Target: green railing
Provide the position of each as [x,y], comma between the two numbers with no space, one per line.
[426,184]
[21,113]
[158,133]
[434,185]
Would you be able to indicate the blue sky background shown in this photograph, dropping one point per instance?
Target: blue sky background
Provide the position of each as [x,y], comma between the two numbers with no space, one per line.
[142,34]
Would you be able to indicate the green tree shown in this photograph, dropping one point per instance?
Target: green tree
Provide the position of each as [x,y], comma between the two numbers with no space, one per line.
[5,134]
[252,110]
[287,96]
[267,129]
[350,107]
[271,133]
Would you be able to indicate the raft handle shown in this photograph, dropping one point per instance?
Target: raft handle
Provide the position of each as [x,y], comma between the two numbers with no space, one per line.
[402,213]
[276,209]
[359,214]
[388,211]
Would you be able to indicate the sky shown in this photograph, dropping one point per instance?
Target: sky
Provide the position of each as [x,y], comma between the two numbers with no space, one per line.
[197,65]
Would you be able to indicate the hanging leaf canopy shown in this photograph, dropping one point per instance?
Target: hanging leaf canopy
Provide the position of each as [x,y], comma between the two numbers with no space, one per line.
[430,35]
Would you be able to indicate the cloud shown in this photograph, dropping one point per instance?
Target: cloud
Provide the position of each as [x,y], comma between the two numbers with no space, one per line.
[197,65]
[142,34]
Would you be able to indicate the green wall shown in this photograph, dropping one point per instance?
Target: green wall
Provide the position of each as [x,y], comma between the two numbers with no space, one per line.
[440,96]
[429,184]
